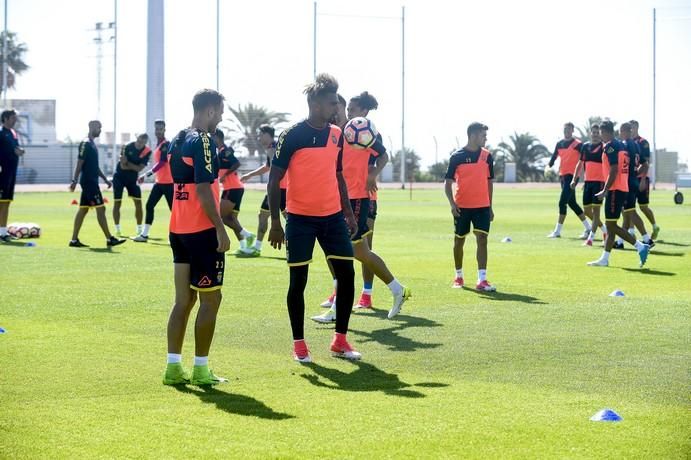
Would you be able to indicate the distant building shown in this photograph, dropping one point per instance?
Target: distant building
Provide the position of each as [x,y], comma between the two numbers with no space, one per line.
[36,120]
[667,164]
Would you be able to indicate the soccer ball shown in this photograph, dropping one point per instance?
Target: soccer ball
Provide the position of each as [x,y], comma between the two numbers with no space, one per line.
[360,132]
[34,231]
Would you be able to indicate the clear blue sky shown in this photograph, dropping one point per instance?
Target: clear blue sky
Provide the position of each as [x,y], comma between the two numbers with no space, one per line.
[517,66]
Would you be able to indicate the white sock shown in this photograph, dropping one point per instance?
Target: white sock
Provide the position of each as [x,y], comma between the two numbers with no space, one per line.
[367,291]
[145,231]
[586,224]
[3,231]
[258,245]
[604,230]
[139,229]
[395,287]
[638,245]
[591,236]
[605,256]
[482,275]
[201,360]
[632,231]
[620,240]
[117,228]
[646,238]
[335,286]
[459,273]
[243,244]
[557,229]
[244,233]
[174,358]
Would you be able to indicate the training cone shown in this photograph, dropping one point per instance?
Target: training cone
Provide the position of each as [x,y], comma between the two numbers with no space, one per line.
[506,239]
[606,415]
[30,244]
[2,331]
[74,202]
[617,293]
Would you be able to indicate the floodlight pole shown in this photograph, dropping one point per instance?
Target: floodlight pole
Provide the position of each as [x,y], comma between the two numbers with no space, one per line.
[403,97]
[4,62]
[653,153]
[218,44]
[314,43]
[115,83]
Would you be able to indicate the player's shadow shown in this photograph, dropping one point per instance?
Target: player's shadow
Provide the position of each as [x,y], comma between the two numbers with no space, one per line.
[647,271]
[505,296]
[670,243]
[260,257]
[389,336]
[103,250]
[655,252]
[364,378]
[234,403]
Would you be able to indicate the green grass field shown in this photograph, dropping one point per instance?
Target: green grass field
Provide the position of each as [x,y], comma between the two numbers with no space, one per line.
[457,374]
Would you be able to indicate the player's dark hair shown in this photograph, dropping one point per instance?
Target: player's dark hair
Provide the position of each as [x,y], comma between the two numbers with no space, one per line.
[476,127]
[323,84]
[365,101]
[143,136]
[6,114]
[207,98]
[595,126]
[607,127]
[159,121]
[633,123]
[341,100]
[219,133]
[625,127]
[266,129]
[569,124]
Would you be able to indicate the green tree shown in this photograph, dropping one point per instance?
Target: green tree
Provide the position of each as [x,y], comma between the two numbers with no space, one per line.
[412,165]
[583,132]
[245,122]
[528,153]
[438,170]
[15,57]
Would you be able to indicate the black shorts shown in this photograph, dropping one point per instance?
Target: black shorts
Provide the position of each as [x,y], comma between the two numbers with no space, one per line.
[8,178]
[199,251]
[361,211]
[372,214]
[590,189]
[265,203]
[479,217]
[91,195]
[331,232]
[234,195]
[643,197]
[630,202]
[614,204]
[133,189]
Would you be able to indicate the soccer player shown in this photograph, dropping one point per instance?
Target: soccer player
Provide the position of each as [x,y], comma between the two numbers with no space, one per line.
[266,139]
[360,170]
[309,155]
[10,151]
[644,181]
[472,170]
[198,240]
[591,162]
[631,218]
[87,172]
[133,158]
[233,190]
[163,185]
[615,167]
[568,152]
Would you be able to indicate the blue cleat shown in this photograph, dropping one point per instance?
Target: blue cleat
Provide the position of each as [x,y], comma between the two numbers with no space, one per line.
[643,253]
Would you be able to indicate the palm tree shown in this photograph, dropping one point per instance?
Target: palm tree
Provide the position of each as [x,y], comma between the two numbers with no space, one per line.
[528,153]
[15,57]
[584,132]
[245,123]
